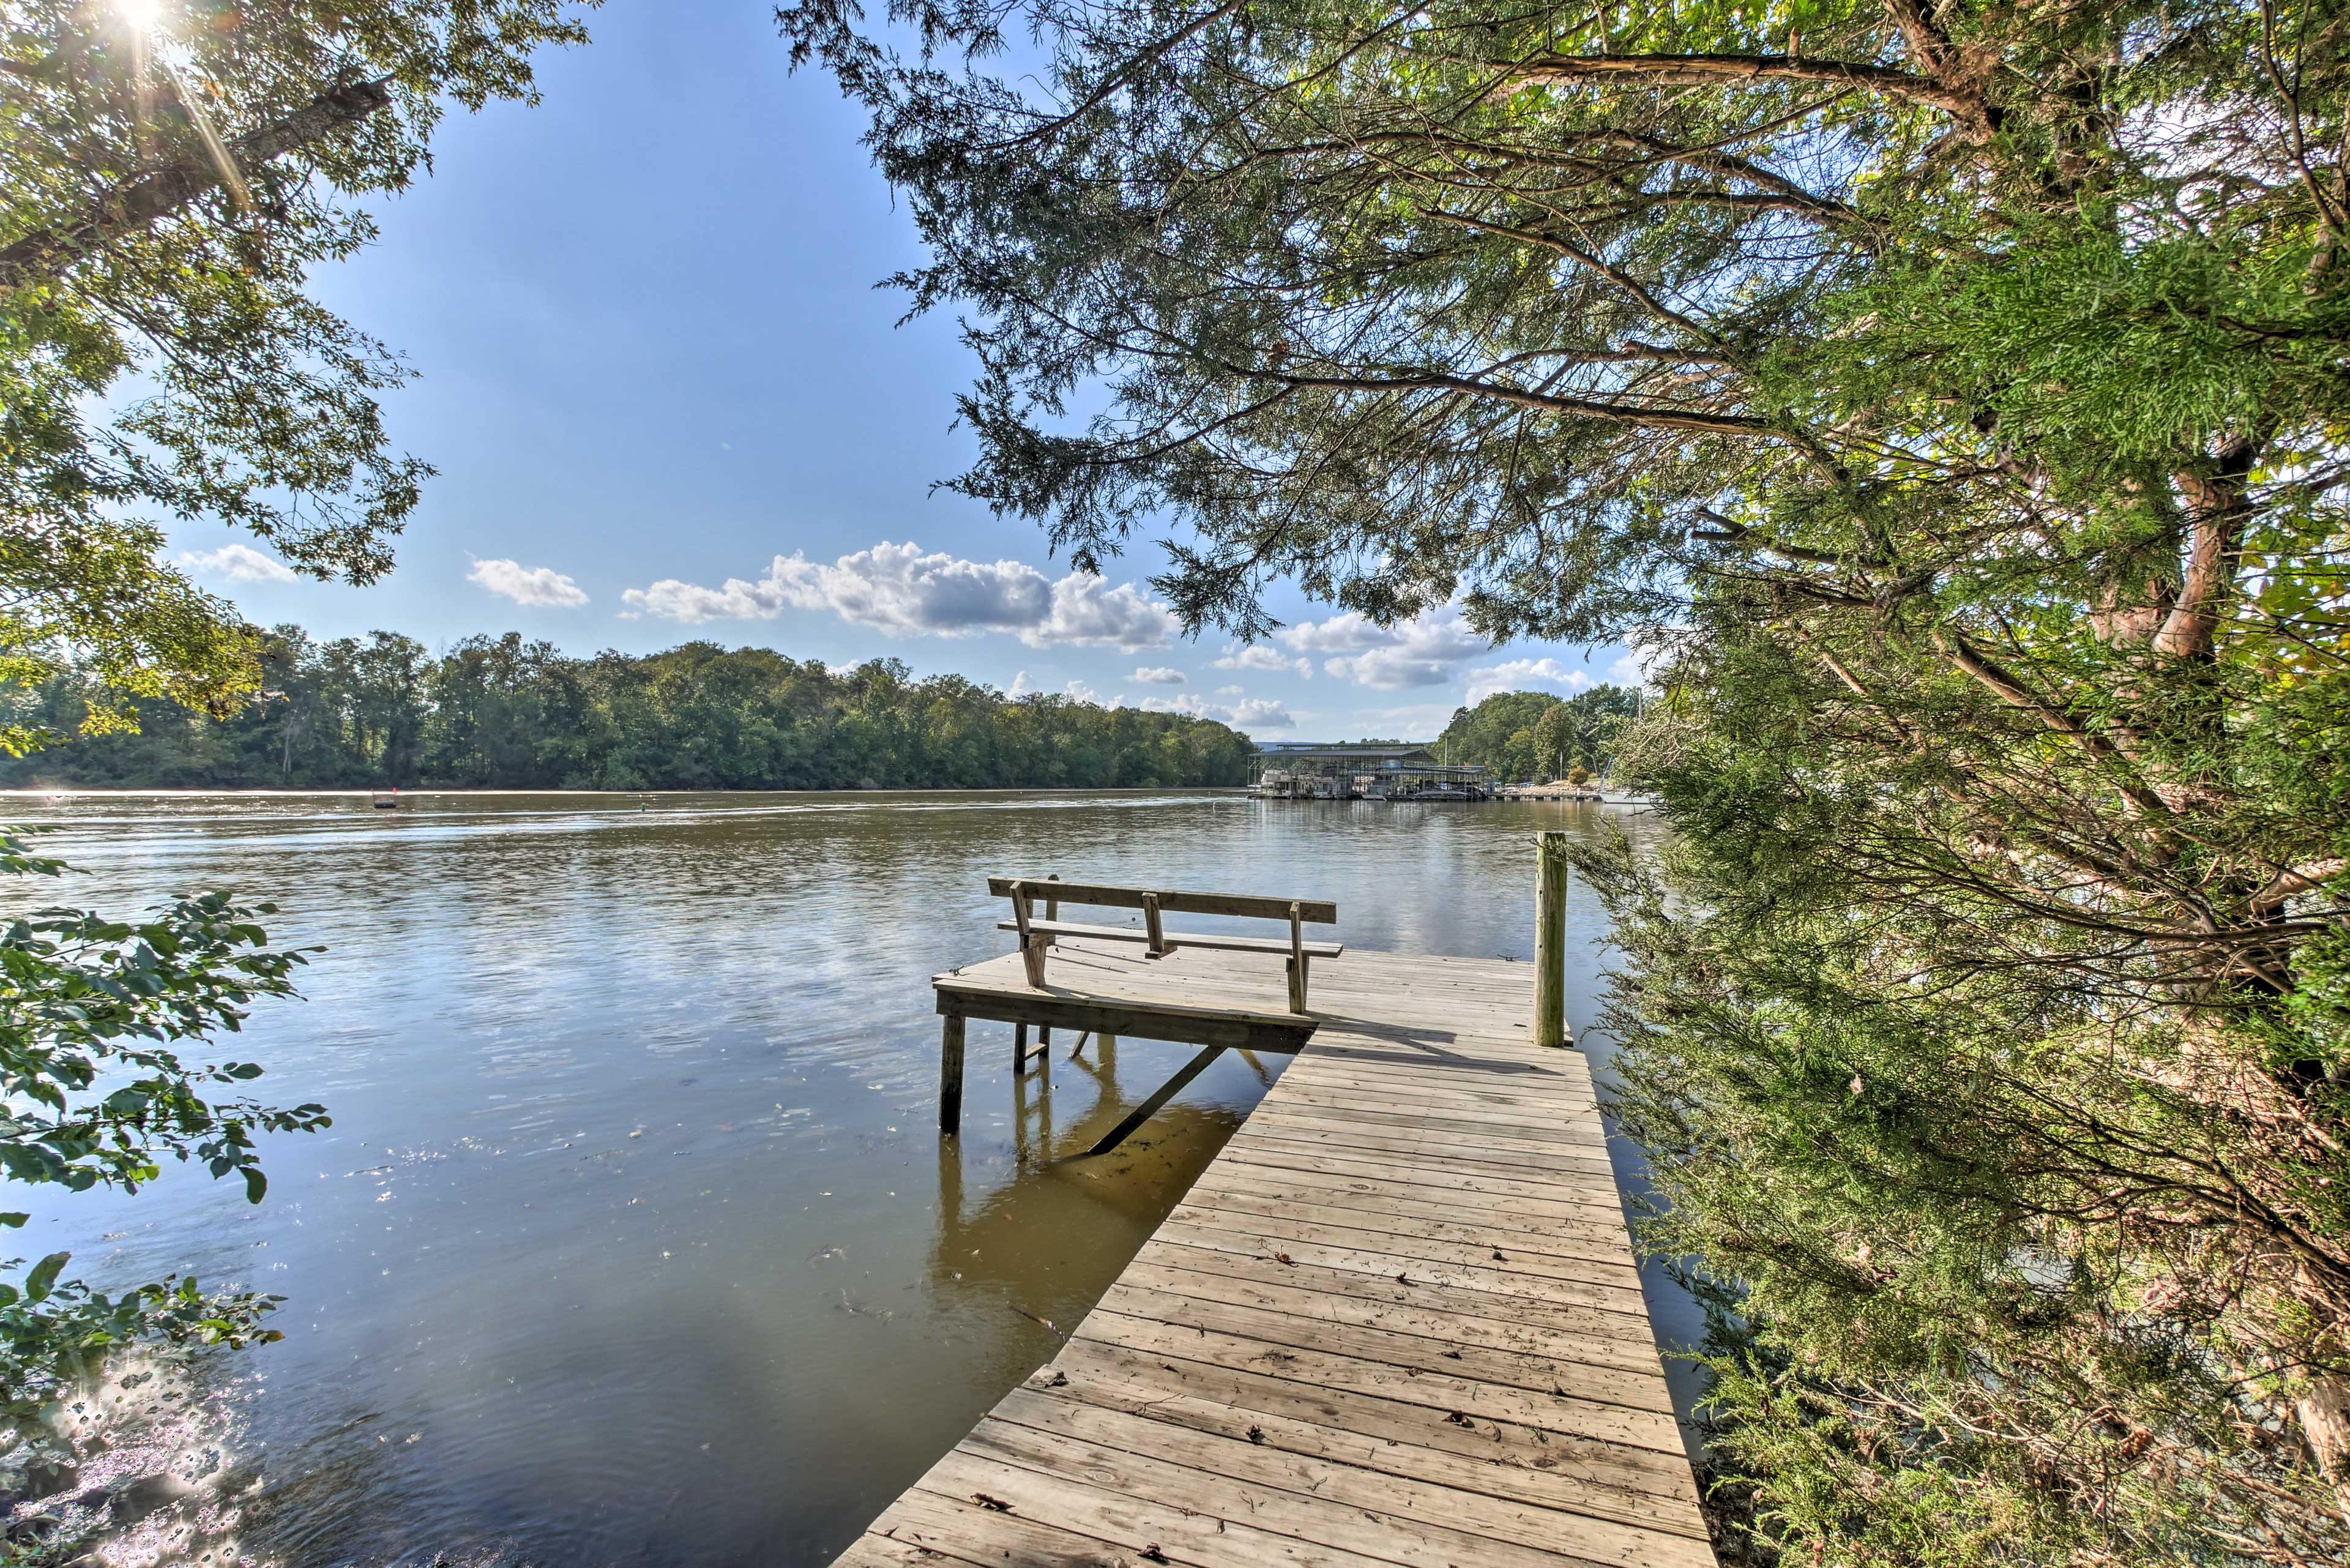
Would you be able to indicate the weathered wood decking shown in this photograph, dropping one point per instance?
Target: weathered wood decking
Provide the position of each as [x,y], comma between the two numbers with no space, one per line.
[1394,1322]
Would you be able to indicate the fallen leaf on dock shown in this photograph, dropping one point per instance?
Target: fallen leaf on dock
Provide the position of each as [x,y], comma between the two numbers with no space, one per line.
[993,1504]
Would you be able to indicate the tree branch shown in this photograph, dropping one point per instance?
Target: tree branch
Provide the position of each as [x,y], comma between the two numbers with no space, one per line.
[1726,531]
[2291,883]
[1549,402]
[46,254]
[1966,658]
[1980,118]
[1583,258]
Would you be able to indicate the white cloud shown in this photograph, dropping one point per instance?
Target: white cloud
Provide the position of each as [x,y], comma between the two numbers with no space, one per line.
[906,591]
[1257,655]
[1249,712]
[1229,691]
[1076,691]
[1255,713]
[1637,667]
[1161,675]
[1524,675]
[1090,613]
[239,563]
[1425,652]
[1347,632]
[671,599]
[542,585]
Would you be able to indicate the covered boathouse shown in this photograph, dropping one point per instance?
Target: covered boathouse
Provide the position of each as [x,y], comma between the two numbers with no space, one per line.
[1284,769]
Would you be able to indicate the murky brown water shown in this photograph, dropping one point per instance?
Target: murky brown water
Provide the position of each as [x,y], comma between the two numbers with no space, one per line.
[633,1243]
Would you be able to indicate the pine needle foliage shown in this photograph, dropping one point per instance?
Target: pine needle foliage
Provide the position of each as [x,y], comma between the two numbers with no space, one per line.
[1953,397]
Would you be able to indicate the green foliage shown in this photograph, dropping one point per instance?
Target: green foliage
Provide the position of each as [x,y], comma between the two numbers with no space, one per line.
[95,1092]
[166,189]
[1955,398]
[502,713]
[1532,735]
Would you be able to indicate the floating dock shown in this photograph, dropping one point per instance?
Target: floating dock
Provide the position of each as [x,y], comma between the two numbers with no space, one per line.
[1397,1321]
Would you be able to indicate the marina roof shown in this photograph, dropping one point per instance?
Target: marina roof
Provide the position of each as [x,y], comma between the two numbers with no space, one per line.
[1339,748]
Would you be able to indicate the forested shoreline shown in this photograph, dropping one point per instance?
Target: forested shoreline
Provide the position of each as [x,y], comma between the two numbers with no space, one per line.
[499,712]
[1523,735]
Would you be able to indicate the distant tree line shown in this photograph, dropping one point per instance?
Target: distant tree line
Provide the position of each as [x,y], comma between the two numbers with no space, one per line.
[498,712]
[1524,735]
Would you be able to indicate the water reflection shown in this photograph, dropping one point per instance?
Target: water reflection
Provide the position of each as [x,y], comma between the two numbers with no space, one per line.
[633,1241]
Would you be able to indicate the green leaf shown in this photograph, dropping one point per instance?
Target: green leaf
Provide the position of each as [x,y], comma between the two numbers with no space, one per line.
[44,1277]
[255,1184]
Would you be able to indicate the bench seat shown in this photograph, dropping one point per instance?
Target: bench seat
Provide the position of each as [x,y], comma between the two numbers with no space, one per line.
[1174,938]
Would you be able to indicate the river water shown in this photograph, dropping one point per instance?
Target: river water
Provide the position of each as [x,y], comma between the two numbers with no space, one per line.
[633,1241]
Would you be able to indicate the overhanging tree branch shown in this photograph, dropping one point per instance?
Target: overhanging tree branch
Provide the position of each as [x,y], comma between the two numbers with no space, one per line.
[45,254]
[1980,116]
[1550,402]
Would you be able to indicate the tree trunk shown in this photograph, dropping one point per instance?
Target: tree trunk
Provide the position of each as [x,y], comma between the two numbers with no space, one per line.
[2220,508]
[2323,1408]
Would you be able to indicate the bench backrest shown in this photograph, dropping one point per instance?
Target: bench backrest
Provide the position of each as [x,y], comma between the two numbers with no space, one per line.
[1312,911]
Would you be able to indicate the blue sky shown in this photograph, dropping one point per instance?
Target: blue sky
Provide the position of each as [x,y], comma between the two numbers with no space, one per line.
[667,402]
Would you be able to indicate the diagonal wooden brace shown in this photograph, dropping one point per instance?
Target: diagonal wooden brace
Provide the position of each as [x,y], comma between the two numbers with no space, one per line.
[1150,1107]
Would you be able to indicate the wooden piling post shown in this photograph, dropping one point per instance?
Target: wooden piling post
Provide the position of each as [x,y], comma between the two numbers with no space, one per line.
[950,1073]
[1019,1048]
[1550,939]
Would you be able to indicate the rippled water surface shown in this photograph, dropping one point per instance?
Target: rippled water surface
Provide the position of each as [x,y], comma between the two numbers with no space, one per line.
[633,1241]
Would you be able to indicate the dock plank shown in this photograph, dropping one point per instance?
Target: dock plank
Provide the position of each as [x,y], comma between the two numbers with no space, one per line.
[1395,1323]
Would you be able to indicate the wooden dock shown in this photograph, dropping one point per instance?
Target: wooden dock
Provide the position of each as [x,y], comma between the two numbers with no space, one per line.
[1396,1322]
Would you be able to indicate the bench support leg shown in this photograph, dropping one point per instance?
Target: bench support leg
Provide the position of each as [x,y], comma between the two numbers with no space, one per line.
[951,1033]
[1150,1107]
[1297,958]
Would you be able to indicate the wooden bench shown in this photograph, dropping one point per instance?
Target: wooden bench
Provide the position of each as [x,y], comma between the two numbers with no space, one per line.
[1036,933]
